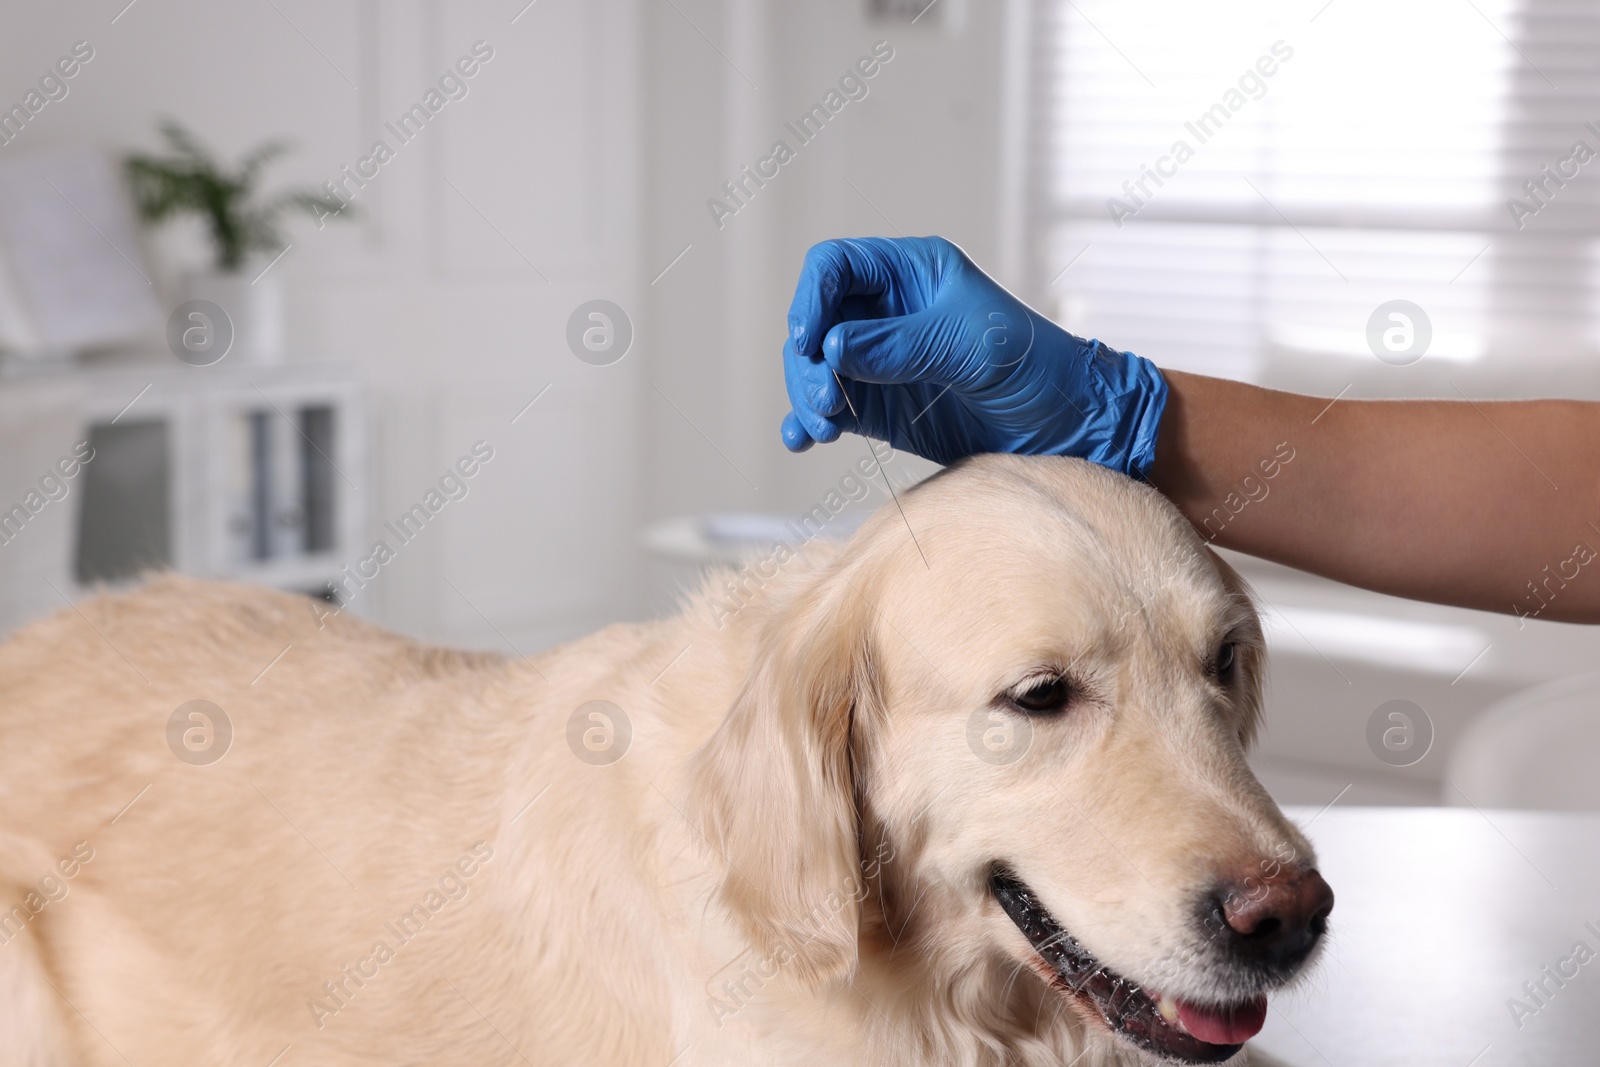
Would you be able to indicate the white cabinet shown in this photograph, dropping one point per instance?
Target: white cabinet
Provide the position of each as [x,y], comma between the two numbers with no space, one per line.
[248,473]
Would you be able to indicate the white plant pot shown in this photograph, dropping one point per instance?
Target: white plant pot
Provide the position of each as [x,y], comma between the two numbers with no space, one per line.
[254,309]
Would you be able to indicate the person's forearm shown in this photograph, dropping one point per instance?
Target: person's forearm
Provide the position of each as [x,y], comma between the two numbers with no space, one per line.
[1483,504]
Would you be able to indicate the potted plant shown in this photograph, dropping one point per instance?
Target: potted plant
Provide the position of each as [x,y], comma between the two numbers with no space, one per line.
[244,230]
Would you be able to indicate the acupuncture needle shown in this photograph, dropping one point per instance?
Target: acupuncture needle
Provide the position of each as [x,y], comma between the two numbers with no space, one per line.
[892,494]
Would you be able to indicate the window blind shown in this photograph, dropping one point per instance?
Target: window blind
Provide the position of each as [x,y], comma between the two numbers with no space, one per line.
[1235,187]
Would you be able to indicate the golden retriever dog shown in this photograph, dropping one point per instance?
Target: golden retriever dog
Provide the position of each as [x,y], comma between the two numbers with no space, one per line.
[976,796]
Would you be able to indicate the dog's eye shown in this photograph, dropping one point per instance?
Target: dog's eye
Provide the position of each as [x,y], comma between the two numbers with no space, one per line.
[1224,661]
[1047,696]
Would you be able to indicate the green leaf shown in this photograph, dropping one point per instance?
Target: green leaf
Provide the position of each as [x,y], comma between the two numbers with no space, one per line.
[191,181]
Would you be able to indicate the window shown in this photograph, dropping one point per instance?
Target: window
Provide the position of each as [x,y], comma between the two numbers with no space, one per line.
[1236,187]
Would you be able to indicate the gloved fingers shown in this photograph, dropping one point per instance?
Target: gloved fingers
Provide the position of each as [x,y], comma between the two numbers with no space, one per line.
[815,398]
[803,428]
[819,411]
[894,413]
[795,437]
[924,347]
[811,382]
[837,270]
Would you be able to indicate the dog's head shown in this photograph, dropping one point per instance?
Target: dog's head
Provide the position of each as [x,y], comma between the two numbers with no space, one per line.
[1017,743]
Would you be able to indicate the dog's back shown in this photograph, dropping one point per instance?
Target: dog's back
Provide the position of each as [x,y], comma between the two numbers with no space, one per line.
[356,872]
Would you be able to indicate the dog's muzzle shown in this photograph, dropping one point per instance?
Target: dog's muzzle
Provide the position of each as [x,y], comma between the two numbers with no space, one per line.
[1169,1027]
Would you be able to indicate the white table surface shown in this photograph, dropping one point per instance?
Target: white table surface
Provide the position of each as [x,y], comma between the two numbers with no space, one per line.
[1440,916]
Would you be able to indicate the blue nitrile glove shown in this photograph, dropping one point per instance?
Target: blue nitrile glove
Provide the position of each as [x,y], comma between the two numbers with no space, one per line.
[906,340]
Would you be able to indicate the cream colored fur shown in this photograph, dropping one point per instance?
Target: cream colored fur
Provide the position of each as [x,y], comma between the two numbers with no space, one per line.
[786,867]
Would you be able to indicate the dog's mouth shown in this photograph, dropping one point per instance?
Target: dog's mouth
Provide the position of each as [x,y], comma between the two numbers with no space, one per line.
[1176,1029]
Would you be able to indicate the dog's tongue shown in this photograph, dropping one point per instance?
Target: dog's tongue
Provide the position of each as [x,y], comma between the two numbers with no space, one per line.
[1224,1026]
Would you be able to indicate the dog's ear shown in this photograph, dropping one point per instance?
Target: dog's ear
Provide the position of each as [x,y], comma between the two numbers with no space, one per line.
[774,790]
[1251,651]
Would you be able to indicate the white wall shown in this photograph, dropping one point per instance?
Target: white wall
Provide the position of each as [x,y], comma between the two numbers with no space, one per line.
[454,327]
[921,147]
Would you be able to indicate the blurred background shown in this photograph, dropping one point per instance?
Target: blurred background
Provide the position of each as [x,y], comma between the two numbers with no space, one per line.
[508,299]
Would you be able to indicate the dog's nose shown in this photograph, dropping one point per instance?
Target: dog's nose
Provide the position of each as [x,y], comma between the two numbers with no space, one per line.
[1275,922]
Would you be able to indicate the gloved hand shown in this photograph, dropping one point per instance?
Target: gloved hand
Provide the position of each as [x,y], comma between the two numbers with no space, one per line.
[906,340]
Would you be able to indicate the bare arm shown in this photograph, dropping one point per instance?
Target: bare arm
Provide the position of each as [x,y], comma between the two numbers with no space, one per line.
[1482,504]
